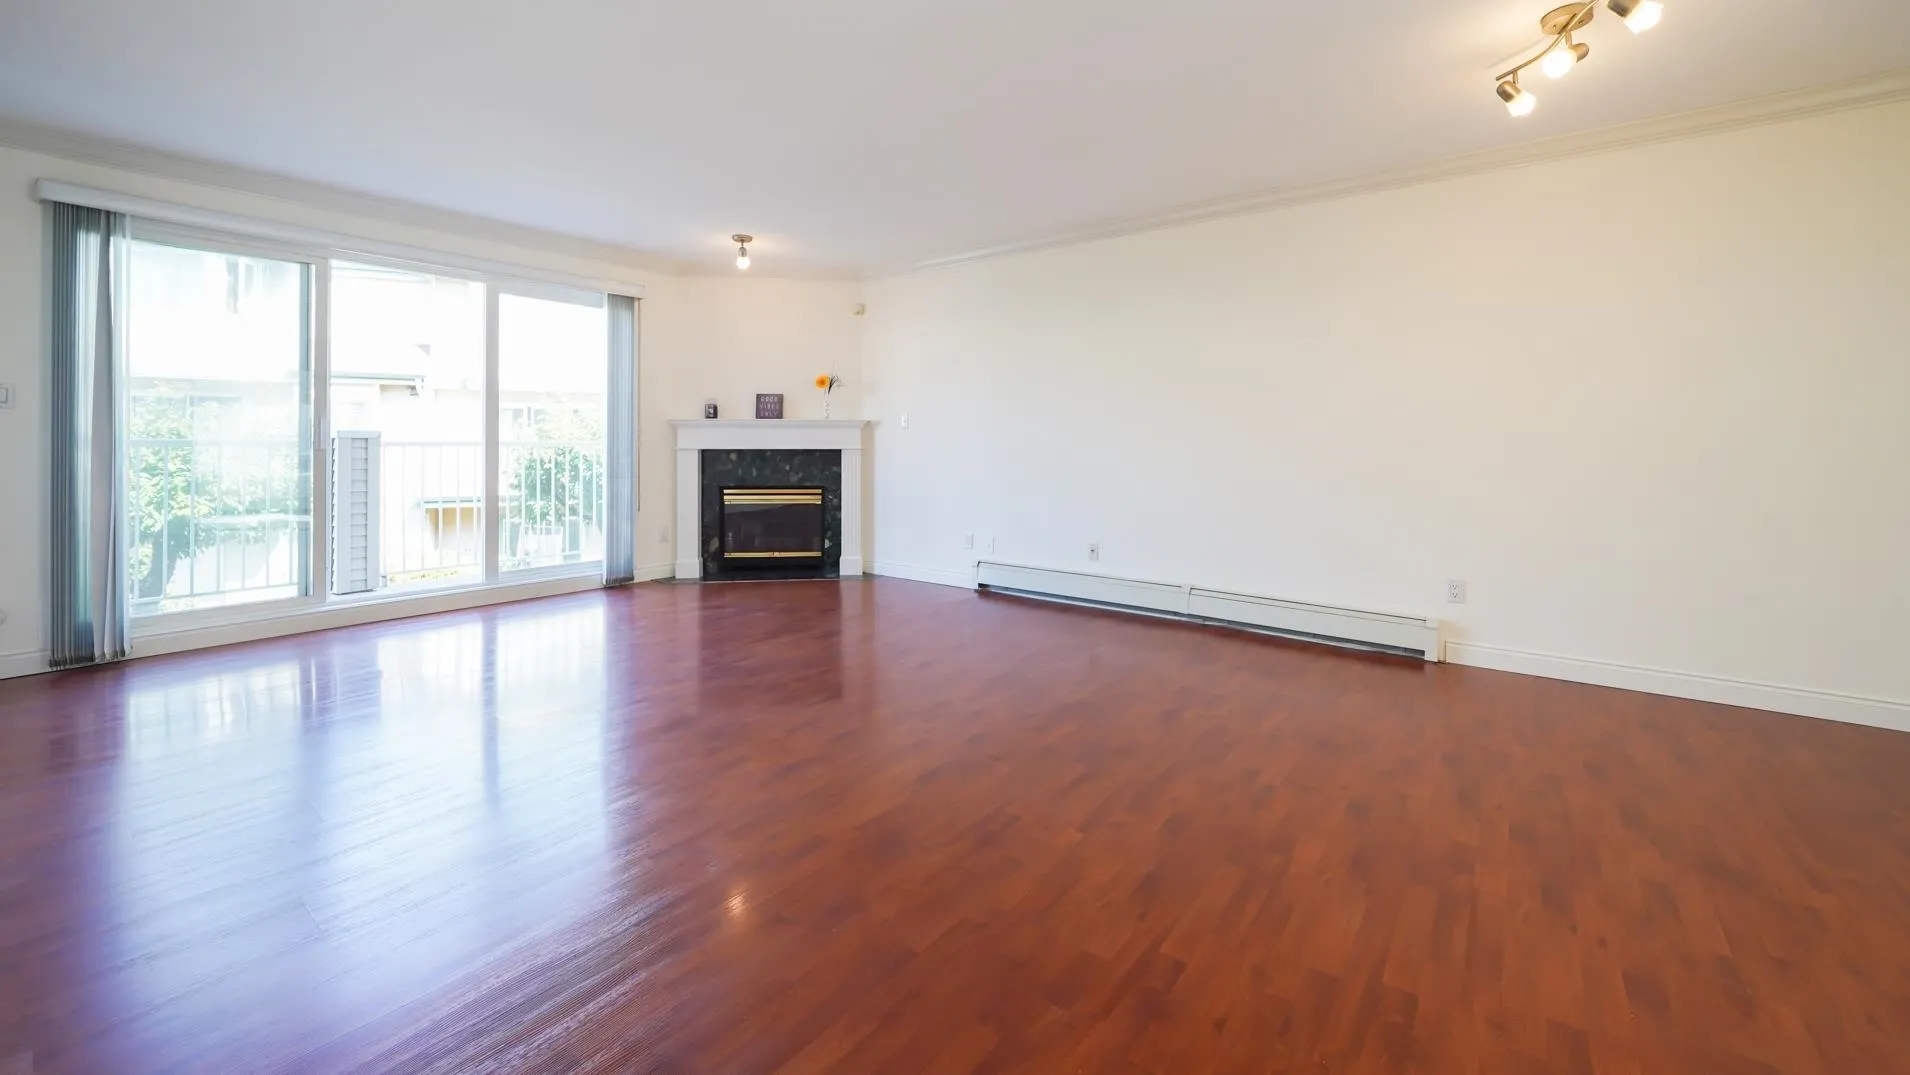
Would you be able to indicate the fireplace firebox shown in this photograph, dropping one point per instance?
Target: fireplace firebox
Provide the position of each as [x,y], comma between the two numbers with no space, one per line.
[771,527]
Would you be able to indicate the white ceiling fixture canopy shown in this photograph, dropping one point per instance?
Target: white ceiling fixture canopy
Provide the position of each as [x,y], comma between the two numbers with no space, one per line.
[879,133]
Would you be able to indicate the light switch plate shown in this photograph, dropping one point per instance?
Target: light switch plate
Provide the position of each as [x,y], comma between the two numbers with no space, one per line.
[6,395]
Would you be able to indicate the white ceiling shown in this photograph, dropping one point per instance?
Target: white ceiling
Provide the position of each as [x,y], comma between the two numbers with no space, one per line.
[867,133]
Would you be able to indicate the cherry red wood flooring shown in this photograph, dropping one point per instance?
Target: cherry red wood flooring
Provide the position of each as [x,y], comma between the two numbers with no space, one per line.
[888,827]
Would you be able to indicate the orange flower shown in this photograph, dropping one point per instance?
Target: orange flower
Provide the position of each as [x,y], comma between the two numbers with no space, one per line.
[822,381]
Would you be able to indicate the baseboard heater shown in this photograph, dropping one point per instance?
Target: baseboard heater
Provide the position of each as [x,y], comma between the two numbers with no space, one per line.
[1410,635]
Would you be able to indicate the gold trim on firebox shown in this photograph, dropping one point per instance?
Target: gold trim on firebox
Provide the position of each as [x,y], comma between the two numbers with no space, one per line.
[771,496]
[759,499]
[808,554]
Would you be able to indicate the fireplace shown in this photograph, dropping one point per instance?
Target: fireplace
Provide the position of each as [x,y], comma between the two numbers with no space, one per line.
[770,514]
[713,456]
[775,527]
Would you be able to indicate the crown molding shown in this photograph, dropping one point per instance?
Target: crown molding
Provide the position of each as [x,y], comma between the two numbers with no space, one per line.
[110,153]
[1886,88]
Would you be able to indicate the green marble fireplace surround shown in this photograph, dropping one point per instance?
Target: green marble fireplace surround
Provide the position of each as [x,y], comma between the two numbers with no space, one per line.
[714,454]
[769,468]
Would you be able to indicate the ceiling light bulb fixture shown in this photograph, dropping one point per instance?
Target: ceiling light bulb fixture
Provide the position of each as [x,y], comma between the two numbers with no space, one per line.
[1639,15]
[1517,101]
[1559,62]
[742,249]
[1560,53]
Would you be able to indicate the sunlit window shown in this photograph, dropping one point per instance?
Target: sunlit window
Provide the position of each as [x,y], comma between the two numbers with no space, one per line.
[441,455]
[218,437]
[552,366]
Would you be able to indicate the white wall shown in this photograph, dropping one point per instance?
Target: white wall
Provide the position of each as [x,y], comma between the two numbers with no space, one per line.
[751,334]
[699,337]
[1654,406]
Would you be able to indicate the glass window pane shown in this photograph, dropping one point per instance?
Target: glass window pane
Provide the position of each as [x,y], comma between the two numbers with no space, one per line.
[408,365]
[218,445]
[553,362]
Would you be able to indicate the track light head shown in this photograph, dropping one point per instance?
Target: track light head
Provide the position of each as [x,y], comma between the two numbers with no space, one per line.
[1559,62]
[1639,15]
[1517,101]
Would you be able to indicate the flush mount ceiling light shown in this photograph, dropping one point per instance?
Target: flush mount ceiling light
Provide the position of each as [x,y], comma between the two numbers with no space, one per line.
[1561,54]
[742,249]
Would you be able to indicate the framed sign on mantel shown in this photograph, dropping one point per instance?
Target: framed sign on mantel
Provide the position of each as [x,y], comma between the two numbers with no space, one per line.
[769,404]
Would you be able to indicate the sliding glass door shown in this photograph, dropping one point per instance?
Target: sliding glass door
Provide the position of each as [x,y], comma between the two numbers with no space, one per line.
[303,428]
[408,391]
[552,370]
[219,427]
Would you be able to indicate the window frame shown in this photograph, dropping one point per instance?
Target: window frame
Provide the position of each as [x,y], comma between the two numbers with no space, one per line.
[318,256]
[317,342]
[494,426]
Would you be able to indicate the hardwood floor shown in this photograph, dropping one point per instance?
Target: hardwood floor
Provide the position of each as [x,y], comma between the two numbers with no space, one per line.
[888,827]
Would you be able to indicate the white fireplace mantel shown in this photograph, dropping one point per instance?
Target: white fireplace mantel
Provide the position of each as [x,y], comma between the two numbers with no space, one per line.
[696,435]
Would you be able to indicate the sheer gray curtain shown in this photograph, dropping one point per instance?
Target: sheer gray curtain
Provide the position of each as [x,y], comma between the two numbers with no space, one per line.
[86,285]
[620,466]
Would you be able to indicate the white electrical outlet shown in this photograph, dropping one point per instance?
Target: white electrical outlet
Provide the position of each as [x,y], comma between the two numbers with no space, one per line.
[663,535]
[968,541]
[991,546]
[905,419]
[1094,550]
[6,396]
[1455,591]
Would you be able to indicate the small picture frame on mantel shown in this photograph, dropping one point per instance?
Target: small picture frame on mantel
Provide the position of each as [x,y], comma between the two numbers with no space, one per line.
[709,408]
[769,404]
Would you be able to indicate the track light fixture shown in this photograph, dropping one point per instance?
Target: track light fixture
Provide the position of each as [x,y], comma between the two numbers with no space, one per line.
[1561,53]
[742,249]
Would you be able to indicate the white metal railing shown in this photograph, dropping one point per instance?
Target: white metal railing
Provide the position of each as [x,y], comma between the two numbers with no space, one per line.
[430,511]
[215,522]
[221,521]
[550,502]
[550,506]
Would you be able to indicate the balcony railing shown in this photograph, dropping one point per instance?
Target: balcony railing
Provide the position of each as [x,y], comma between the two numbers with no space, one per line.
[216,522]
[431,511]
[550,497]
[220,522]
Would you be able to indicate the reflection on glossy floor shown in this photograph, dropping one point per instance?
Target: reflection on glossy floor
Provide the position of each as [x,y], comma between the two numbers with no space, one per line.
[881,826]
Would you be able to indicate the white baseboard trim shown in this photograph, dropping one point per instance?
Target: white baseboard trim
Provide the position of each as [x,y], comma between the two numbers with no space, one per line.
[23,663]
[940,576]
[653,572]
[1848,708]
